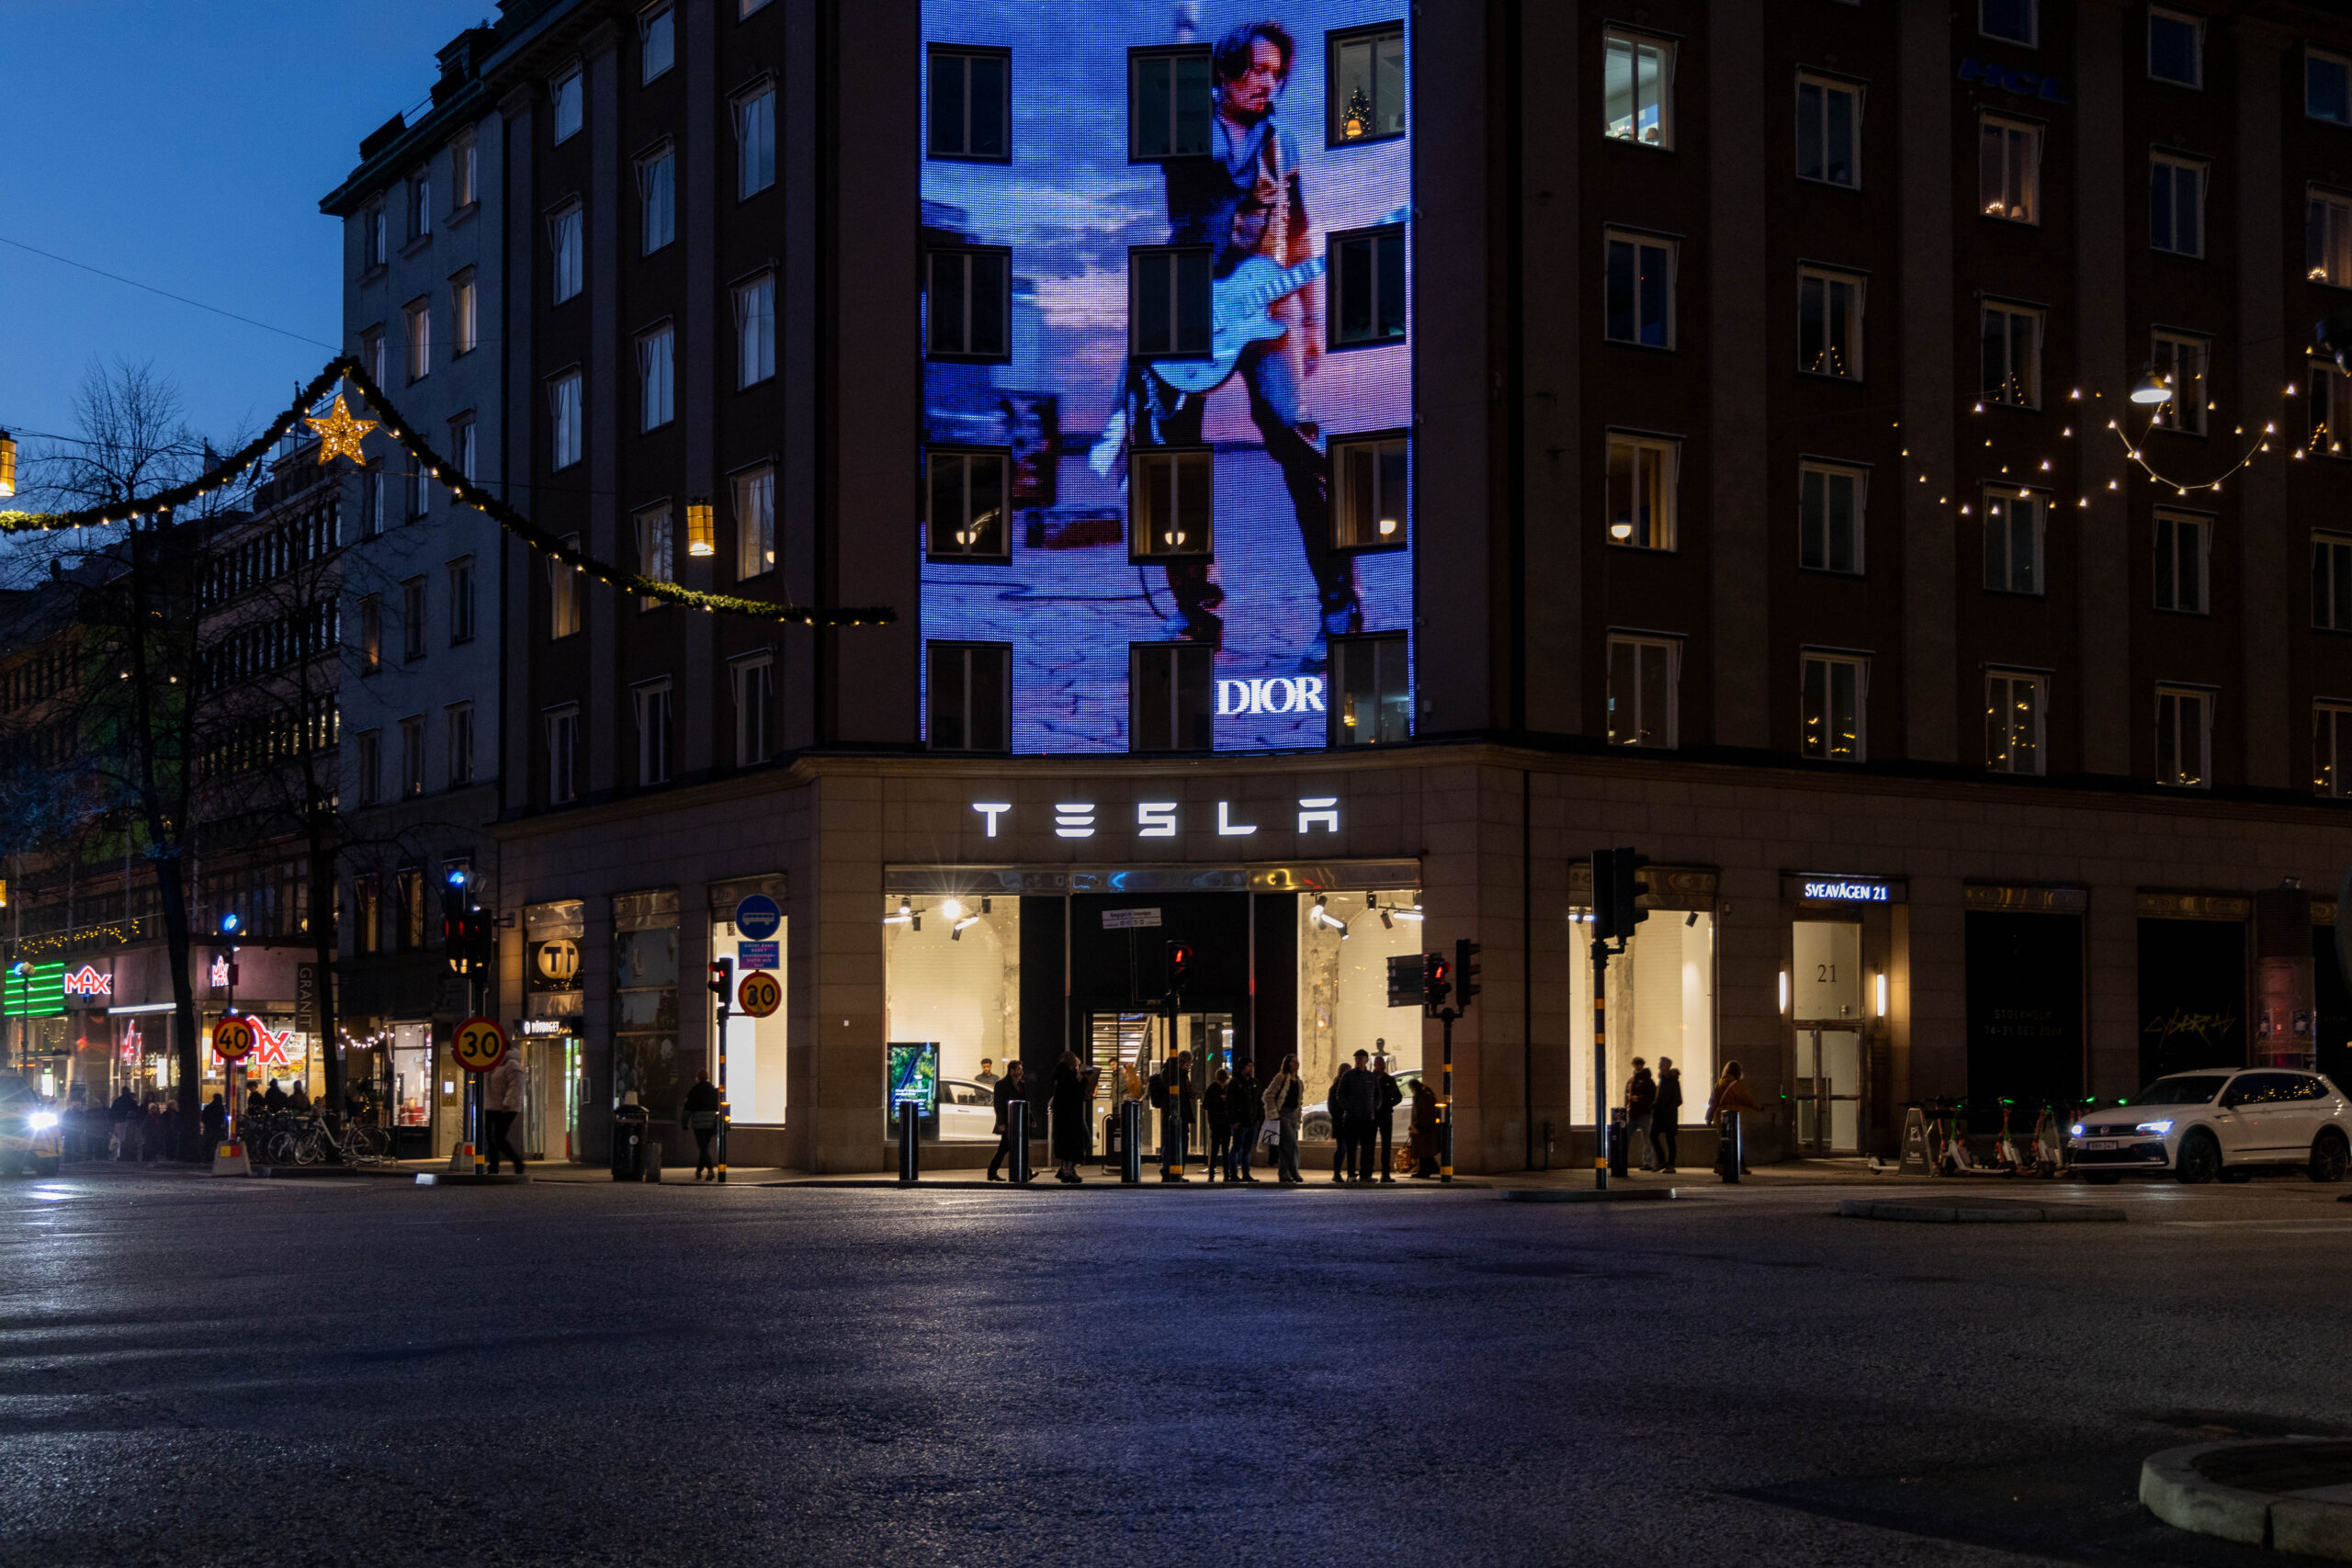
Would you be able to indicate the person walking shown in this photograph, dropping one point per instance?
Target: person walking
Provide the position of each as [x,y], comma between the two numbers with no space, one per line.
[1354,1099]
[1283,1100]
[501,1101]
[1731,1094]
[1009,1087]
[1072,1135]
[1425,1130]
[1665,1116]
[1171,1092]
[1384,1120]
[1216,1106]
[216,1124]
[119,1115]
[1640,1099]
[1246,1110]
[697,1114]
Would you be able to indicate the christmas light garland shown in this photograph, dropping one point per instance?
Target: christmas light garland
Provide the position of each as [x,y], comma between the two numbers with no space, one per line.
[336,435]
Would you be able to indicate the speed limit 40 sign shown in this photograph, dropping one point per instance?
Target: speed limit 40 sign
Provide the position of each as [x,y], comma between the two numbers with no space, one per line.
[233,1039]
[479,1044]
[759,995]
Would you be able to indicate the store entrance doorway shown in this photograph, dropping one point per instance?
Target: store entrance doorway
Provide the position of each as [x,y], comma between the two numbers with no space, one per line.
[1829,1091]
[1125,1048]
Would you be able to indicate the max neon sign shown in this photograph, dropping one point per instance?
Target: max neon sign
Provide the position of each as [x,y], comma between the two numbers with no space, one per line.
[87,982]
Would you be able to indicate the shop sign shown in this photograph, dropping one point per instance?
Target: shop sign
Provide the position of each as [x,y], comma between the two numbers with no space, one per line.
[1812,888]
[220,972]
[538,1026]
[1278,693]
[1159,818]
[274,1047]
[759,954]
[87,982]
[2024,84]
[306,998]
[1128,919]
[559,959]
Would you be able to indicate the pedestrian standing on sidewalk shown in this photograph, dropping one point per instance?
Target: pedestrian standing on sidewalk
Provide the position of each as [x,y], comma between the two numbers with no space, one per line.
[1216,1104]
[119,1115]
[1171,1091]
[1731,1094]
[1665,1116]
[699,1115]
[1354,1099]
[1283,1100]
[1384,1120]
[501,1101]
[1341,1148]
[1640,1099]
[1248,1109]
[1073,1135]
[152,1147]
[1425,1130]
[1010,1088]
[216,1124]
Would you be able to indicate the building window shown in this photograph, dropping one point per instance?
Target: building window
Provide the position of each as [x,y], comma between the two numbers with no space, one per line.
[2332,582]
[653,559]
[461,743]
[1643,673]
[2015,22]
[1372,690]
[2176,205]
[755,522]
[971,696]
[656,352]
[745,7]
[754,142]
[1835,687]
[1169,494]
[1829,518]
[1366,96]
[568,96]
[2008,169]
[407,892]
[2184,737]
[1169,687]
[371,354]
[464,316]
[372,634]
[465,173]
[419,206]
[461,599]
[2181,361]
[2015,525]
[413,486]
[419,316]
[1168,302]
[1637,88]
[971,104]
[1829,323]
[652,703]
[2328,237]
[2332,750]
[657,38]
[1168,104]
[412,620]
[2184,543]
[755,330]
[367,909]
[1638,297]
[2331,409]
[968,299]
[2175,47]
[368,762]
[412,755]
[373,241]
[563,753]
[657,200]
[1368,287]
[2327,87]
[2012,355]
[1829,132]
[1372,492]
[967,501]
[563,240]
[2013,722]
[461,444]
[563,419]
[1641,481]
[566,584]
[754,683]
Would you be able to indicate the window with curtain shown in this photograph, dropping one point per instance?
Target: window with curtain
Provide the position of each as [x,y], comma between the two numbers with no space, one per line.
[656,351]
[755,522]
[657,200]
[1641,491]
[564,419]
[755,330]
[1829,518]
[564,235]
[755,142]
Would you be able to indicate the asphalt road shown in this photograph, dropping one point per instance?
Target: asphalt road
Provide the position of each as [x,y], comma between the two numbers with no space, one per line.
[196,1371]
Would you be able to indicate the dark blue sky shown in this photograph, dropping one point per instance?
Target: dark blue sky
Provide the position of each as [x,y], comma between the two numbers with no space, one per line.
[186,145]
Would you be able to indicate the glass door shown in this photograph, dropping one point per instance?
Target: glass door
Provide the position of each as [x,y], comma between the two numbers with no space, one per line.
[1125,1048]
[1829,1091]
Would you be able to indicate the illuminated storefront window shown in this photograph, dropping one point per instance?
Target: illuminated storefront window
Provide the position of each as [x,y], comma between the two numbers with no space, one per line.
[953,980]
[1345,941]
[1661,1006]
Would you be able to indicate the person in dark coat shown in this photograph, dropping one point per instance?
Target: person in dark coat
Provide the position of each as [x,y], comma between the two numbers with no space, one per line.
[275,1098]
[1665,1116]
[1006,1090]
[118,1116]
[1171,1095]
[1073,1135]
[1383,1119]
[699,1116]
[1641,1100]
[1355,1098]
[1426,1121]
[1216,1106]
[1340,1148]
[1246,1112]
[216,1124]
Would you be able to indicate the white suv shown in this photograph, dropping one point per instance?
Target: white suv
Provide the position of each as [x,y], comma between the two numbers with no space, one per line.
[2217,1125]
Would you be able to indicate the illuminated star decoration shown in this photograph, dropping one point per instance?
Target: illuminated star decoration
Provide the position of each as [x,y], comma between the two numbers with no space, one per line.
[340,435]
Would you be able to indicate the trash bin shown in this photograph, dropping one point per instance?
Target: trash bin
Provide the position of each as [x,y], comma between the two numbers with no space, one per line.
[633,1147]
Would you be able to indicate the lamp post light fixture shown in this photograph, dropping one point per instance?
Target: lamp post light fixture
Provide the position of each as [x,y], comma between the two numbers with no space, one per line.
[2153,388]
[702,539]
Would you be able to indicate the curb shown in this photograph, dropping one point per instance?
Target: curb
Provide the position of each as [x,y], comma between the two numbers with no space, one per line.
[2009,1213]
[2176,1486]
[1587,1194]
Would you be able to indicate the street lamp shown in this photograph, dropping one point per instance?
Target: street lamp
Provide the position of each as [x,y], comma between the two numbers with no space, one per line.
[2153,388]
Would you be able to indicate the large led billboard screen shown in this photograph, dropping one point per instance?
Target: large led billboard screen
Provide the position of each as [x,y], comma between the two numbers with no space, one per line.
[1168,378]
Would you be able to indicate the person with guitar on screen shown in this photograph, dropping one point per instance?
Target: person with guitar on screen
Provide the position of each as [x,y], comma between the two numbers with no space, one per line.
[1245,202]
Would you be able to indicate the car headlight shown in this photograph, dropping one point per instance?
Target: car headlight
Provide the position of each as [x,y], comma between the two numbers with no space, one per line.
[42,1121]
[2158,1128]
[2076,1129]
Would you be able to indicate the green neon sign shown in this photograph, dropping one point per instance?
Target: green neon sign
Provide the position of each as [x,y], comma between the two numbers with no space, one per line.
[34,990]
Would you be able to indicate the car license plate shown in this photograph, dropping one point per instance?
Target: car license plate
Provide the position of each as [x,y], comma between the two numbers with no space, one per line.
[2102,1142]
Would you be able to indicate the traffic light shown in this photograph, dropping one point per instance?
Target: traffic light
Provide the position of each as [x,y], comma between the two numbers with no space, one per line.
[1180,965]
[1437,979]
[1466,971]
[1617,882]
[722,982]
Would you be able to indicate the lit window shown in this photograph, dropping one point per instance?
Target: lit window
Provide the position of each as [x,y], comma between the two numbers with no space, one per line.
[1641,679]
[420,340]
[2332,750]
[563,240]
[755,522]
[971,104]
[2175,47]
[1829,323]
[1366,96]
[1836,686]
[651,700]
[1371,492]
[2009,170]
[566,588]
[2330,409]
[465,162]
[1829,132]
[564,420]
[656,354]
[755,330]
[2012,355]
[2016,523]
[969,302]
[567,94]
[1642,473]
[967,505]
[1637,88]
[2181,361]
[465,317]
[419,206]
[2017,21]
[1169,498]
[1372,690]
[1169,688]
[2184,545]
[1829,518]
[2332,582]
[657,200]
[2184,737]
[1367,287]
[2176,205]
[1168,104]
[754,683]
[1167,306]
[2013,722]
[2327,87]
[657,31]
[754,142]
[2327,238]
[1637,301]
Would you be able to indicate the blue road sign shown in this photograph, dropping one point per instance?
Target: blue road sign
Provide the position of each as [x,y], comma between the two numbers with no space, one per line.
[757,917]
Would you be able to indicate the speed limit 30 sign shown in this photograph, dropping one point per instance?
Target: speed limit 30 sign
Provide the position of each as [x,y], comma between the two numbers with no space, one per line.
[479,1044]
[759,995]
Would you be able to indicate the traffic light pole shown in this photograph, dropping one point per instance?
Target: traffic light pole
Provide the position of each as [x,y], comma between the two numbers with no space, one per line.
[1445,1104]
[723,1108]
[1600,1063]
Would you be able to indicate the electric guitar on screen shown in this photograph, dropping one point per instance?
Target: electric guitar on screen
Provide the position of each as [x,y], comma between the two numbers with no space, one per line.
[1241,312]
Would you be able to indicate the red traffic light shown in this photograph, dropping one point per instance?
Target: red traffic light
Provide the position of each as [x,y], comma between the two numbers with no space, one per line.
[722,980]
[1180,964]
